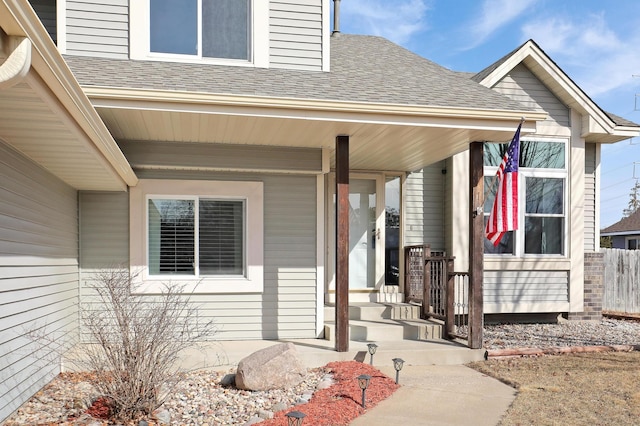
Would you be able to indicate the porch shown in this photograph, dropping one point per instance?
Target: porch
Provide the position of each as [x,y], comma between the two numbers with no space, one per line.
[434,307]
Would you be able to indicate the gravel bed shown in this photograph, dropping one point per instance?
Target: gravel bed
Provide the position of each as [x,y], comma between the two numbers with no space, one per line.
[203,398]
[567,333]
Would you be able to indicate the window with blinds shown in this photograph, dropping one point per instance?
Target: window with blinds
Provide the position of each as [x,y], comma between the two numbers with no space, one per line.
[211,242]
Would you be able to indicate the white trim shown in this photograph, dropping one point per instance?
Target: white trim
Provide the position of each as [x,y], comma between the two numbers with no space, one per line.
[138,231]
[326,36]
[320,250]
[61,26]
[617,234]
[282,107]
[139,45]
[629,238]
[260,33]
[530,172]
[596,197]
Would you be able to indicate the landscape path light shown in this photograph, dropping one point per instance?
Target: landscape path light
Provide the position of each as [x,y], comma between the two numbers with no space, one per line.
[294,418]
[397,364]
[363,382]
[372,350]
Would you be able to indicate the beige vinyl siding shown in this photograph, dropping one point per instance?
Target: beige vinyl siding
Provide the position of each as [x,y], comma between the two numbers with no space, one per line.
[590,197]
[521,85]
[46,11]
[98,28]
[424,207]
[150,154]
[521,288]
[286,308]
[38,274]
[295,34]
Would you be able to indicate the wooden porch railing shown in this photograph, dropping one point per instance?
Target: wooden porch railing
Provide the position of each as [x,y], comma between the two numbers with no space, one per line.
[443,293]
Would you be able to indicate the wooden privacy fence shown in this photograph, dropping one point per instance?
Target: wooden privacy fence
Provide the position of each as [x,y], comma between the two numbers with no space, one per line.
[443,293]
[621,281]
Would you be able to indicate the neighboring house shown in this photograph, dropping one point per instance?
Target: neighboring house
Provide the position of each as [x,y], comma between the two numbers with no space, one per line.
[140,150]
[625,234]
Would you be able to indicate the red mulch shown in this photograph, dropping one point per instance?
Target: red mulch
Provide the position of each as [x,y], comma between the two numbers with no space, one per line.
[339,404]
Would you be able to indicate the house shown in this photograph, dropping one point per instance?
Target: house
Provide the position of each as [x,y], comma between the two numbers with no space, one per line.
[122,147]
[625,233]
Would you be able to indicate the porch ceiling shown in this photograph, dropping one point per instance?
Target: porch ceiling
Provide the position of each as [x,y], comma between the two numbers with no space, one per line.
[396,139]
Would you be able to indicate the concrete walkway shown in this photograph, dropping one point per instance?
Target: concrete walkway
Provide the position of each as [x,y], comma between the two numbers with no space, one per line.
[436,388]
[441,395]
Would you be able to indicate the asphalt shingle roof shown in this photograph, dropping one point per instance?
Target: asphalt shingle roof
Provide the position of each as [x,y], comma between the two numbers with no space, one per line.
[363,69]
[630,224]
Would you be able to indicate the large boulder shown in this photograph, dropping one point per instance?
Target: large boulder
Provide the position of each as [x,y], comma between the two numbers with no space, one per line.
[275,367]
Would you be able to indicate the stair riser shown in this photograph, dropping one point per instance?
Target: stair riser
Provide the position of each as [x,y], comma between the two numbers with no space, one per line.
[372,333]
[373,313]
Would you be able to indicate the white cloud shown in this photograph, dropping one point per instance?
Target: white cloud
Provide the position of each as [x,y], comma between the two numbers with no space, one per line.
[494,15]
[397,20]
[588,50]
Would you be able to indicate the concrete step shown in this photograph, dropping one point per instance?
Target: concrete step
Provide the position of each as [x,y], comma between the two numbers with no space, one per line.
[376,311]
[388,330]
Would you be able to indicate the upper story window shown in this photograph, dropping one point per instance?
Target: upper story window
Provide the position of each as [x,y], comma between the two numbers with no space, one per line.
[542,198]
[203,28]
[224,31]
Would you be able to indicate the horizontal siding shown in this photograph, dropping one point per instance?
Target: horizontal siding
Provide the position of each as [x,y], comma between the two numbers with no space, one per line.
[285,309]
[98,28]
[38,275]
[150,154]
[521,85]
[424,207]
[104,230]
[522,287]
[295,34]
[590,188]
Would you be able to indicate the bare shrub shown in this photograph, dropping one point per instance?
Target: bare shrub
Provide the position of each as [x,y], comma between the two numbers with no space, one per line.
[134,341]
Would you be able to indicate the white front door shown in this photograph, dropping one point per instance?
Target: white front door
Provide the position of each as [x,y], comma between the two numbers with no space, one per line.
[364,233]
[366,236]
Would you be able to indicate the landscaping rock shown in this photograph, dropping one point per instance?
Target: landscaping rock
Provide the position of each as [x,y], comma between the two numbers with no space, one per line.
[275,367]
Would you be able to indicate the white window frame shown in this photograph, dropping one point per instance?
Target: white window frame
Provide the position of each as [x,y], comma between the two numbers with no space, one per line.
[523,173]
[140,48]
[250,192]
[633,238]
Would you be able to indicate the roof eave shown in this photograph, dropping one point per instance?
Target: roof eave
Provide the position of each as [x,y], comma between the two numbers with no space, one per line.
[18,18]
[599,123]
[108,97]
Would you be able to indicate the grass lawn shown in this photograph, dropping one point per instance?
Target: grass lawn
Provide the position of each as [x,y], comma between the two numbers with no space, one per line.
[580,389]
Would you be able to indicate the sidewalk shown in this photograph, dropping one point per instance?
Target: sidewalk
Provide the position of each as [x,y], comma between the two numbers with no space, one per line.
[441,395]
[436,388]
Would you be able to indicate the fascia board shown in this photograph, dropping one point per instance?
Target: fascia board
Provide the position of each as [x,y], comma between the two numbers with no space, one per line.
[103,97]
[619,233]
[50,66]
[529,50]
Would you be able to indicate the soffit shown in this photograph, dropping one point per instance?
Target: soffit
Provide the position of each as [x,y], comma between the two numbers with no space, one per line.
[47,117]
[34,125]
[377,141]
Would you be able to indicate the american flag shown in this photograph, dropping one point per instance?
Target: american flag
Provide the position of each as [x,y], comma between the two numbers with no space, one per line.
[504,213]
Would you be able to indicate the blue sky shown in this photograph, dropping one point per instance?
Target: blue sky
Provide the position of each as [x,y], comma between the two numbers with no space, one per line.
[596,42]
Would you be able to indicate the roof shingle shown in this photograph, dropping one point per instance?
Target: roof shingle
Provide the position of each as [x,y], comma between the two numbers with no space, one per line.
[630,224]
[363,69]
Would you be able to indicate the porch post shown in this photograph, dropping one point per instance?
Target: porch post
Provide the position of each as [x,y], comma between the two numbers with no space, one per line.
[342,243]
[476,244]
